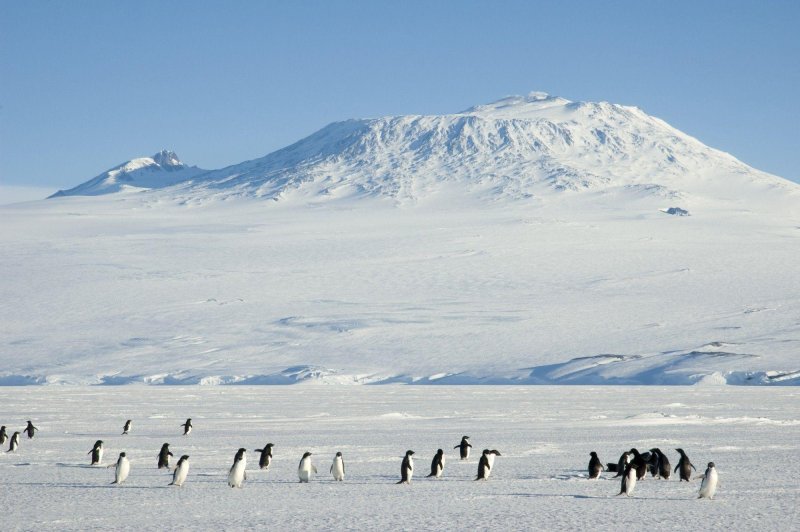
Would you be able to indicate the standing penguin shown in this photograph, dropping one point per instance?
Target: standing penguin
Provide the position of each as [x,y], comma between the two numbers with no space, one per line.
[14,444]
[127,428]
[595,466]
[685,465]
[30,430]
[163,457]
[337,468]
[266,456]
[639,463]
[619,467]
[3,435]
[437,464]
[653,462]
[237,475]
[709,485]
[306,469]
[664,467]
[464,447]
[181,471]
[97,452]
[486,464]
[122,470]
[407,468]
[628,480]
[187,427]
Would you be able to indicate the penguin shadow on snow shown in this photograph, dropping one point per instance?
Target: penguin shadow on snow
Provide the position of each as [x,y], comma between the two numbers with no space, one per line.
[83,466]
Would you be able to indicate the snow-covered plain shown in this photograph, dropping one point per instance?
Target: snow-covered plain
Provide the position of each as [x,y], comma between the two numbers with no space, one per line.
[545,434]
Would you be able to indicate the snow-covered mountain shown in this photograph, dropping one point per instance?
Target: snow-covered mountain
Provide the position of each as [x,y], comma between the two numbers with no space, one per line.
[532,240]
[516,148]
[144,173]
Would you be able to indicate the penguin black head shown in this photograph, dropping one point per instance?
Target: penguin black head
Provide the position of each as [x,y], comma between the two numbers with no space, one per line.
[711,464]
[464,437]
[184,457]
[495,452]
[98,443]
[122,455]
[270,446]
[339,454]
[486,451]
[439,451]
[594,454]
[306,454]
[409,452]
[240,454]
[165,446]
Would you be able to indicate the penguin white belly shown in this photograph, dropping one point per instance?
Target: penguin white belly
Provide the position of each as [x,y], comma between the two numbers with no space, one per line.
[306,470]
[709,485]
[490,457]
[236,475]
[179,477]
[630,482]
[123,469]
[410,470]
[99,456]
[338,470]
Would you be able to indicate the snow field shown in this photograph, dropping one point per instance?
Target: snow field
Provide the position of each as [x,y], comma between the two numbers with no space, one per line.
[544,433]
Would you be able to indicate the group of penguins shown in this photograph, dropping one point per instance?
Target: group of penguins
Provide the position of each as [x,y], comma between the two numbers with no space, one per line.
[632,465]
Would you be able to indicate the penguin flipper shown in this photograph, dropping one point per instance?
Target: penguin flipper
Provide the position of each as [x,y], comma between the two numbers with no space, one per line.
[676,468]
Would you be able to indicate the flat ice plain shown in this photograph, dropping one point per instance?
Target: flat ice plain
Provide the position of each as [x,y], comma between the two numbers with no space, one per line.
[545,434]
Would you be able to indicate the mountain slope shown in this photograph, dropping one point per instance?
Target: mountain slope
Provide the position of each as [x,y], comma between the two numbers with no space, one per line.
[161,170]
[518,147]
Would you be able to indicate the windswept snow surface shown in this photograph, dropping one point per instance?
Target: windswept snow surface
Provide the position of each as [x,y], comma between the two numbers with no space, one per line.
[521,242]
[545,435]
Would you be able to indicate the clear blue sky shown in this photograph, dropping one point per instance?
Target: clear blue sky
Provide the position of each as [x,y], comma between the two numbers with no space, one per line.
[87,85]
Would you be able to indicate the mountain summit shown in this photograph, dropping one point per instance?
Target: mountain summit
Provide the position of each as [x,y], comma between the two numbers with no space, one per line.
[161,170]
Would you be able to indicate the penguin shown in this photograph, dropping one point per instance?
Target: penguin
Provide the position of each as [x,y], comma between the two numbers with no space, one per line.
[30,430]
[664,468]
[623,461]
[266,456]
[3,435]
[595,466]
[14,445]
[122,470]
[486,463]
[237,475]
[306,468]
[639,463]
[163,457]
[187,427]
[628,480]
[97,452]
[181,471]
[708,487]
[127,428]
[437,464]
[653,462]
[685,465]
[407,468]
[464,447]
[337,468]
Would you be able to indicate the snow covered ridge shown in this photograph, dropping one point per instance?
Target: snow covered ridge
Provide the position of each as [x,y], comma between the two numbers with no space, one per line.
[516,148]
[161,170]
